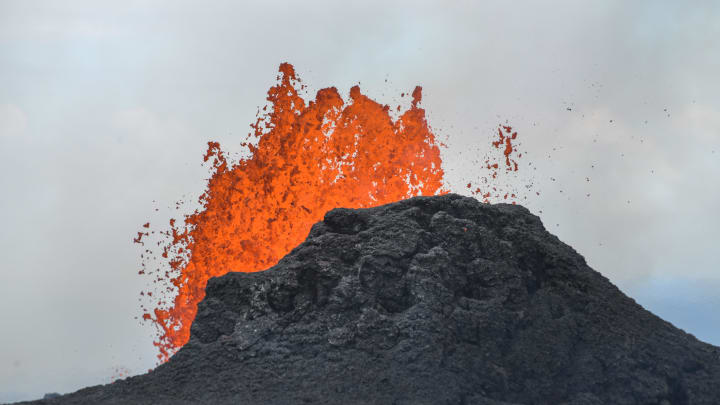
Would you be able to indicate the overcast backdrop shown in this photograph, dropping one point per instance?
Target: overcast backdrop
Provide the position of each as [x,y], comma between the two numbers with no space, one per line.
[106,107]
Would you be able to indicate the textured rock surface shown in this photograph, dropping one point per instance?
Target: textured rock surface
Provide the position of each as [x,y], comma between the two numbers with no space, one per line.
[432,300]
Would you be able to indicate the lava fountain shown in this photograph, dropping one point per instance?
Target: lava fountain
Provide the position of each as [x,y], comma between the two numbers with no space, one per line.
[305,159]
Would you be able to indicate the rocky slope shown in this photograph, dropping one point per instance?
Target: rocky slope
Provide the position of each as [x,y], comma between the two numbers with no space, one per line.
[431,300]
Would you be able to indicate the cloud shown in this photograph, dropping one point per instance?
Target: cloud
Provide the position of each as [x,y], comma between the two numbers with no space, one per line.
[703,120]
[13,121]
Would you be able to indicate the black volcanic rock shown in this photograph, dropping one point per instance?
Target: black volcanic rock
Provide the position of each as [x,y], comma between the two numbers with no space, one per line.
[431,300]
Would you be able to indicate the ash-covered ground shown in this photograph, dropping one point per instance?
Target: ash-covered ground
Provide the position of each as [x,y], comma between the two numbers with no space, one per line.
[431,300]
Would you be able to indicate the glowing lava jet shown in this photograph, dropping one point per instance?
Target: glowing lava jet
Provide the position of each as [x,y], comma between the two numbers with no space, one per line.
[307,158]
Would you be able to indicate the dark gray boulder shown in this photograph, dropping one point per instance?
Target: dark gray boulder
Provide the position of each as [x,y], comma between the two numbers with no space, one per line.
[431,300]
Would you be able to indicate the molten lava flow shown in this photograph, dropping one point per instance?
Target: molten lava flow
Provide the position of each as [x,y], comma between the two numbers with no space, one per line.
[308,158]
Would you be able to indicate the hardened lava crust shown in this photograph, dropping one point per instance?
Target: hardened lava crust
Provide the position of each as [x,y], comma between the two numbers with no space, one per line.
[430,300]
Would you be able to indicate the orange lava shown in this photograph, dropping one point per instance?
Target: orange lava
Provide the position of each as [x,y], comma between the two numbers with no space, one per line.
[119,373]
[506,137]
[306,158]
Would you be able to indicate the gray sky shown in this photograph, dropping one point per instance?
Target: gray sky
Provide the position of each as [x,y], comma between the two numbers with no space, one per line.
[105,107]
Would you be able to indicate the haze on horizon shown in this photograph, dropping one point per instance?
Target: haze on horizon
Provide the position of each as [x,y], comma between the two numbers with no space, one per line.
[106,110]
